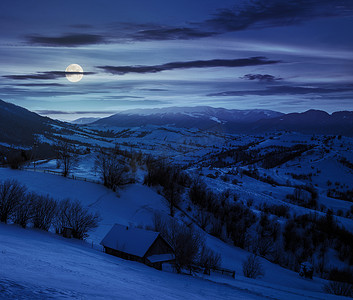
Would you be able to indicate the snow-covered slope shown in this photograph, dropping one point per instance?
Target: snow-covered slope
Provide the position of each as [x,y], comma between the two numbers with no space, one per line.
[39,264]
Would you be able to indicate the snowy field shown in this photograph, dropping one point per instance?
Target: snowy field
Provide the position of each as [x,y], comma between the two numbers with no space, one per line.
[41,265]
[37,265]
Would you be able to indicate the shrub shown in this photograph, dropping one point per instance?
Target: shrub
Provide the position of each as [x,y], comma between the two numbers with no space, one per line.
[185,241]
[208,258]
[274,209]
[44,210]
[74,215]
[339,288]
[23,212]
[252,267]
[11,194]
[16,158]
[112,169]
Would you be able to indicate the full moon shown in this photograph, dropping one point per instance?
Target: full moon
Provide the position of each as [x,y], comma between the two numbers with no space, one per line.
[76,70]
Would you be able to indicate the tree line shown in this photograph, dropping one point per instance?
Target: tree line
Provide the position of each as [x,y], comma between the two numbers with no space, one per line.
[25,208]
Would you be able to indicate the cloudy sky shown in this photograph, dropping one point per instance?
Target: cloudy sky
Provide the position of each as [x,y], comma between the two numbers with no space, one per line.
[288,56]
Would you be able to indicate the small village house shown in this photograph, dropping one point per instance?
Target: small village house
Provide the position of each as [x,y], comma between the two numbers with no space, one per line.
[138,244]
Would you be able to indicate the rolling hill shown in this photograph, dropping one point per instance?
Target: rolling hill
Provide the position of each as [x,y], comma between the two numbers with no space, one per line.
[19,124]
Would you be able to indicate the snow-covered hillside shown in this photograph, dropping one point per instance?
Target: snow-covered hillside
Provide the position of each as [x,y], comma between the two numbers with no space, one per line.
[37,264]
[273,181]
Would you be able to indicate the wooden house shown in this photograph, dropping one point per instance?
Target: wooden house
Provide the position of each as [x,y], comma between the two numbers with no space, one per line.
[138,244]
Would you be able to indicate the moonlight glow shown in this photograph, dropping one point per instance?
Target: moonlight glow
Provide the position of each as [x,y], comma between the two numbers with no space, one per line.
[76,70]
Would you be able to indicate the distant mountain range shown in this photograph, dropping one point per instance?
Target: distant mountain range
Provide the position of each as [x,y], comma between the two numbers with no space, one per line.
[18,125]
[202,117]
[235,121]
[82,121]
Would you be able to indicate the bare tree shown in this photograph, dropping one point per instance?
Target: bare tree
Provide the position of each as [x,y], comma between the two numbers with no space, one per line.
[252,267]
[23,212]
[339,288]
[208,258]
[81,220]
[61,220]
[43,212]
[113,171]
[172,193]
[65,156]
[204,218]
[11,194]
[74,215]
[340,282]
[185,241]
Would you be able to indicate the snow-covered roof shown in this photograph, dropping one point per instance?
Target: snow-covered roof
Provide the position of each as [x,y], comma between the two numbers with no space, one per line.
[133,241]
[160,257]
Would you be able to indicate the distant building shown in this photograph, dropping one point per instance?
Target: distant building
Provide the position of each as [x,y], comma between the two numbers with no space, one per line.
[137,244]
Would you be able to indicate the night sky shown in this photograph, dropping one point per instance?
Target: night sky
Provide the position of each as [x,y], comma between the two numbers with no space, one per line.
[267,54]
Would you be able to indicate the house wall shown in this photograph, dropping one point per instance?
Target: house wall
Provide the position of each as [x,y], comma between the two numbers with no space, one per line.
[123,255]
[160,246]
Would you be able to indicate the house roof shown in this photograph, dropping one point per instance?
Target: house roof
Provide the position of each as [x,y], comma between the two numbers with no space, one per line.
[133,241]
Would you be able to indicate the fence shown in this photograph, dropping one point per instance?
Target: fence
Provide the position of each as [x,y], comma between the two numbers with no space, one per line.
[74,177]
[207,271]
[224,271]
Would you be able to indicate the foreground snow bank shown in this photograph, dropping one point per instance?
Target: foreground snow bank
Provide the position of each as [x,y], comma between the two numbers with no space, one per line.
[37,265]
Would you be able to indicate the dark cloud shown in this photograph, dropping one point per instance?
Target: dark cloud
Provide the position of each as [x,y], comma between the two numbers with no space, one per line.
[244,15]
[68,40]
[123,31]
[45,75]
[261,77]
[22,92]
[271,13]
[39,84]
[81,26]
[14,90]
[286,90]
[140,102]
[51,112]
[122,97]
[169,33]
[154,90]
[242,62]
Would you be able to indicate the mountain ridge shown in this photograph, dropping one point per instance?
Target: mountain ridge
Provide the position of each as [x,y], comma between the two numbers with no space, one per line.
[18,125]
[235,121]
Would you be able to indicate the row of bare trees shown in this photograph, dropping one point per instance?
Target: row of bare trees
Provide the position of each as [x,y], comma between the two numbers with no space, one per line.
[170,178]
[43,212]
[109,164]
[188,244]
[112,168]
